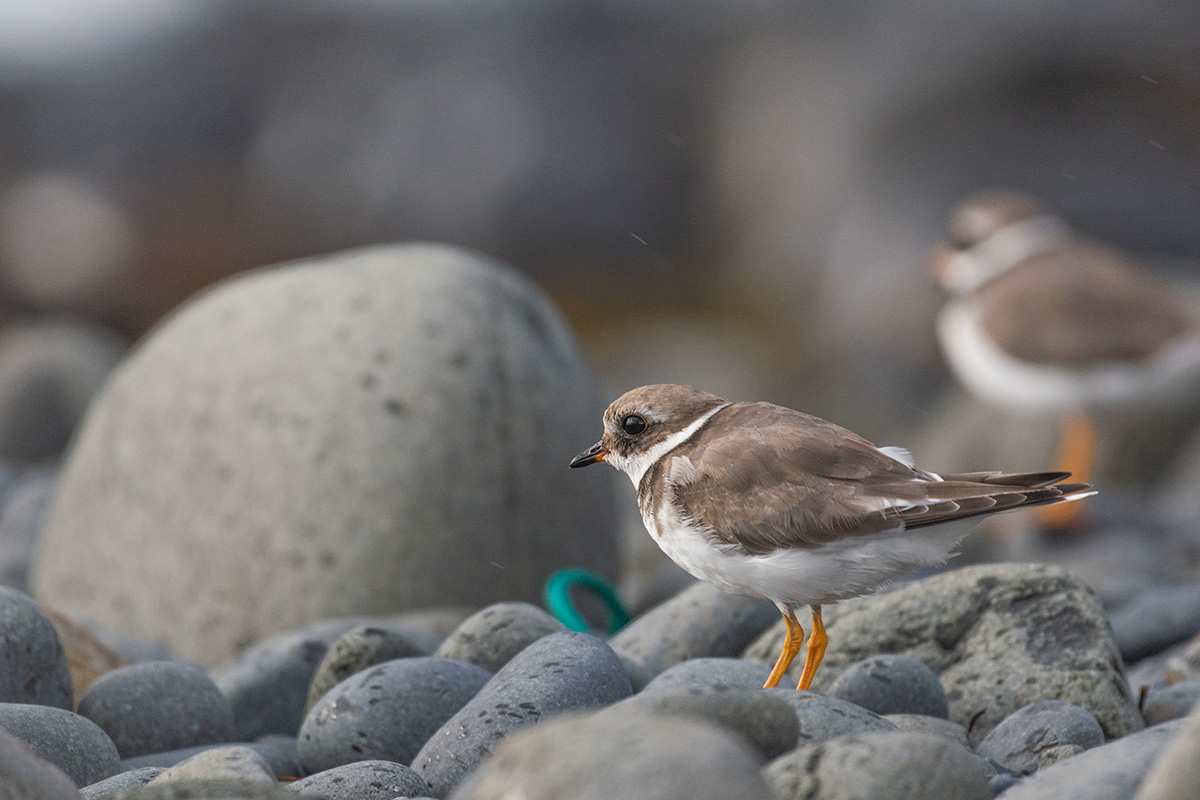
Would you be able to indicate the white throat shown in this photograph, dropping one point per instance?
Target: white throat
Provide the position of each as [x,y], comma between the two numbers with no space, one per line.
[1004,249]
[635,466]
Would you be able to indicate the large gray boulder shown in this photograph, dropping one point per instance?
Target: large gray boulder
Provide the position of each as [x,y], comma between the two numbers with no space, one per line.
[363,433]
[1000,636]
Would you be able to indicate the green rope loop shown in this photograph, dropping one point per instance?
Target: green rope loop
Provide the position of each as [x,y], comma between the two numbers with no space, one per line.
[557,597]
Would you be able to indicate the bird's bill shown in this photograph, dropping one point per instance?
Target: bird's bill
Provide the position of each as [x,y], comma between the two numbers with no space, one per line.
[592,455]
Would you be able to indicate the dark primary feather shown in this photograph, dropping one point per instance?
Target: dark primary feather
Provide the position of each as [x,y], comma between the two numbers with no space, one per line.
[832,480]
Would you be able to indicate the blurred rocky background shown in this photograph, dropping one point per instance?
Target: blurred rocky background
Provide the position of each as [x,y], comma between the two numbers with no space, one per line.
[735,195]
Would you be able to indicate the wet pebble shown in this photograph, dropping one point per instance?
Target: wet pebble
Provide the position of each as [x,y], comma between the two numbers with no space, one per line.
[363,780]
[892,684]
[493,635]
[158,705]
[74,744]
[387,711]
[1021,738]
[558,673]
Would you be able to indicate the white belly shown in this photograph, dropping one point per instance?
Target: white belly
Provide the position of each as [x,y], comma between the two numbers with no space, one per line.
[995,376]
[847,568]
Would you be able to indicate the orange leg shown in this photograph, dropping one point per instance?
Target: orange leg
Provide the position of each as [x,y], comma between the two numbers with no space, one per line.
[817,642]
[1077,449]
[791,646]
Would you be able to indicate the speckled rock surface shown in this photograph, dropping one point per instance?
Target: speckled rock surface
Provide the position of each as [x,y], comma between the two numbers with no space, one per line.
[74,744]
[122,781]
[1023,737]
[711,672]
[1109,772]
[558,673]
[334,437]
[892,684]
[233,762]
[821,717]
[696,623]
[354,651]
[879,766]
[574,755]
[363,780]
[387,711]
[493,635]
[158,705]
[26,776]
[764,719]
[999,636]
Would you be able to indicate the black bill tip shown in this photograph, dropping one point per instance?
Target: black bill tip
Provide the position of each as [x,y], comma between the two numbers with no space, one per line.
[592,455]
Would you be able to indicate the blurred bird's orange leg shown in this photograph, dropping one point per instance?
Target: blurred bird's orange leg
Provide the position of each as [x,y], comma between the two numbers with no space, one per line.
[1077,449]
[791,646]
[817,640]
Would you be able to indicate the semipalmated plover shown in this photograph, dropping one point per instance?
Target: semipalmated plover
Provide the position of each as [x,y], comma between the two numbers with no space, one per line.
[1038,319]
[761,500]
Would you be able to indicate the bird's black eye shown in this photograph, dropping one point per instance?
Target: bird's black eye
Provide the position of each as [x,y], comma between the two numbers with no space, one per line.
[633,424]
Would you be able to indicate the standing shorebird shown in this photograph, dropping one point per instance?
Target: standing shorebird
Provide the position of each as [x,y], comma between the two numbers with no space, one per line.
[764,501]
[1037,319]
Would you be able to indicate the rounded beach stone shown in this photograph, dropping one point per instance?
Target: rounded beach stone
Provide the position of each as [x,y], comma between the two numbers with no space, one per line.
[278,751]
[493,635]
[354,651]
[1111,771]
[267,684]
[364,780]
[1170,702]
[33,664]
[557,673]
[74,744]
[603,756]
[999,636]
[232,762]
[122,781]
[211,789]
[764,719]
[892,684]
[712,672]
[1176,773]
[919,723]
[347,435]
[698,622]
[386,711]
[879,766]
[158,705]
[822,717]
[1020,739]
[1155,620]
[24,774]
